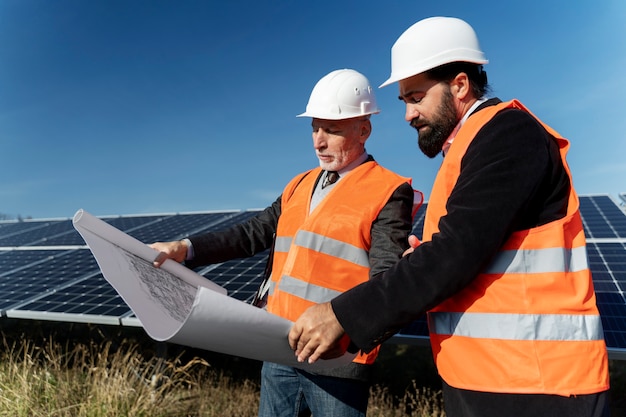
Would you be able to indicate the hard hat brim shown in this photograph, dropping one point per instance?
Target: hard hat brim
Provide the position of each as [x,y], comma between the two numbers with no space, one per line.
[426,67]
[334,116]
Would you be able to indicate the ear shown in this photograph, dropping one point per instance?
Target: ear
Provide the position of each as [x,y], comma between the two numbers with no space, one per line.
[365,130]
[460,86]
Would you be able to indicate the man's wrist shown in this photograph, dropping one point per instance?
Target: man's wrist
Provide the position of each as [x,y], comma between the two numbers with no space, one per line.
[190,254]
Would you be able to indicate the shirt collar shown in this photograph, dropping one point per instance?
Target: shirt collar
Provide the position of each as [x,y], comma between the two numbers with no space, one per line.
[448,142]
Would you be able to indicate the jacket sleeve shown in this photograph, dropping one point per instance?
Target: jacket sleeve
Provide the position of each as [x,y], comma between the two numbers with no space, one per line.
[390,230]
[239,241]
[502,174]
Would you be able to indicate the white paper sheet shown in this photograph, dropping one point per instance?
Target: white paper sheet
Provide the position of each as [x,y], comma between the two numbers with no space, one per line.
[177,305]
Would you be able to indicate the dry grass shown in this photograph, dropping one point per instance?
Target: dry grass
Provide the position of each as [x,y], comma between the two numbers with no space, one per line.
[417,402]
[105,371]
[92,380]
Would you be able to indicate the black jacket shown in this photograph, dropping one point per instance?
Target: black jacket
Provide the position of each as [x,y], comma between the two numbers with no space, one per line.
[389,234]
[512,178]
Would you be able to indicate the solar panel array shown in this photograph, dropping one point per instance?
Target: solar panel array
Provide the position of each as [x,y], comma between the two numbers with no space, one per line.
[48,273]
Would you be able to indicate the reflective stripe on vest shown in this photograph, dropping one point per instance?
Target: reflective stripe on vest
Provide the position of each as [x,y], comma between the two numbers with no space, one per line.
[282,244]
[535,327]
[538,261]
[333,247]
[310,292]
[322,244]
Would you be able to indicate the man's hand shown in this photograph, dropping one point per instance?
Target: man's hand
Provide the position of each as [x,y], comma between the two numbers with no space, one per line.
[317,334]
[176,250]
[413,243]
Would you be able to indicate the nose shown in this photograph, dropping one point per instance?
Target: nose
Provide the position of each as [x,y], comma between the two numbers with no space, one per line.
[319,139]
[411,112]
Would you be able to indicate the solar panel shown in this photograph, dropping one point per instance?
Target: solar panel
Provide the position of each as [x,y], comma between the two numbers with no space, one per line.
[418,221]
[29,233]
[13,260]
[240,277]
[66,284]
[47,273]
[602,218]
[90,300]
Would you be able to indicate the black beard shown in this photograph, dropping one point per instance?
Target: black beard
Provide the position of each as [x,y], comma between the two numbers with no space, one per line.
[431,142]
[432,137]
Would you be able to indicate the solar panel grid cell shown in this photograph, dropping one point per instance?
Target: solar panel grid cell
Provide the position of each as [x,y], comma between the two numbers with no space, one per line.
[169,228]
[46,274]
[608,265]
[240,277]
[85,297]
[602,218]
[418,220]
[129,223]
[11,260]
[10,228]
[36,233]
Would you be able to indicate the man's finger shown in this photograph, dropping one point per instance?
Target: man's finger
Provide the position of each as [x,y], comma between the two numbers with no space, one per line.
[309,352]
[158,261]
[315,355]
[414,241]
[294,336]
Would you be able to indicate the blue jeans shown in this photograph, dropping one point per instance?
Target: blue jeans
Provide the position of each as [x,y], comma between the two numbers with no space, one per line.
[291,392]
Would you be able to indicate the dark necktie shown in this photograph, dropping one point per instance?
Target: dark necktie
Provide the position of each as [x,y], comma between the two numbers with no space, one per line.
[331,178]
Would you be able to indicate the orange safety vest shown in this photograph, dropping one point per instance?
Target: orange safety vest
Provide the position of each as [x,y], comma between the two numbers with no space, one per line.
[528,323]
[319,255]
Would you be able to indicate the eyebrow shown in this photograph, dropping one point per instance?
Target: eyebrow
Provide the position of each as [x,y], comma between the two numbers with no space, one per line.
[332,124]
[401,97]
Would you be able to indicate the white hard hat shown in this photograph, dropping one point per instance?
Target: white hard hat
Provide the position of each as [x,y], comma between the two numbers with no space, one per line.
[430,43]
[342,94]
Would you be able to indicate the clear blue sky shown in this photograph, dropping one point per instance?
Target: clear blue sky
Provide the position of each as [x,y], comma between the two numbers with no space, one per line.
[151,106]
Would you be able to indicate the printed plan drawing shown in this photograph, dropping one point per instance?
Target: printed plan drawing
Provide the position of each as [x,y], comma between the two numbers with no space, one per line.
[174,304]
[175,297]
